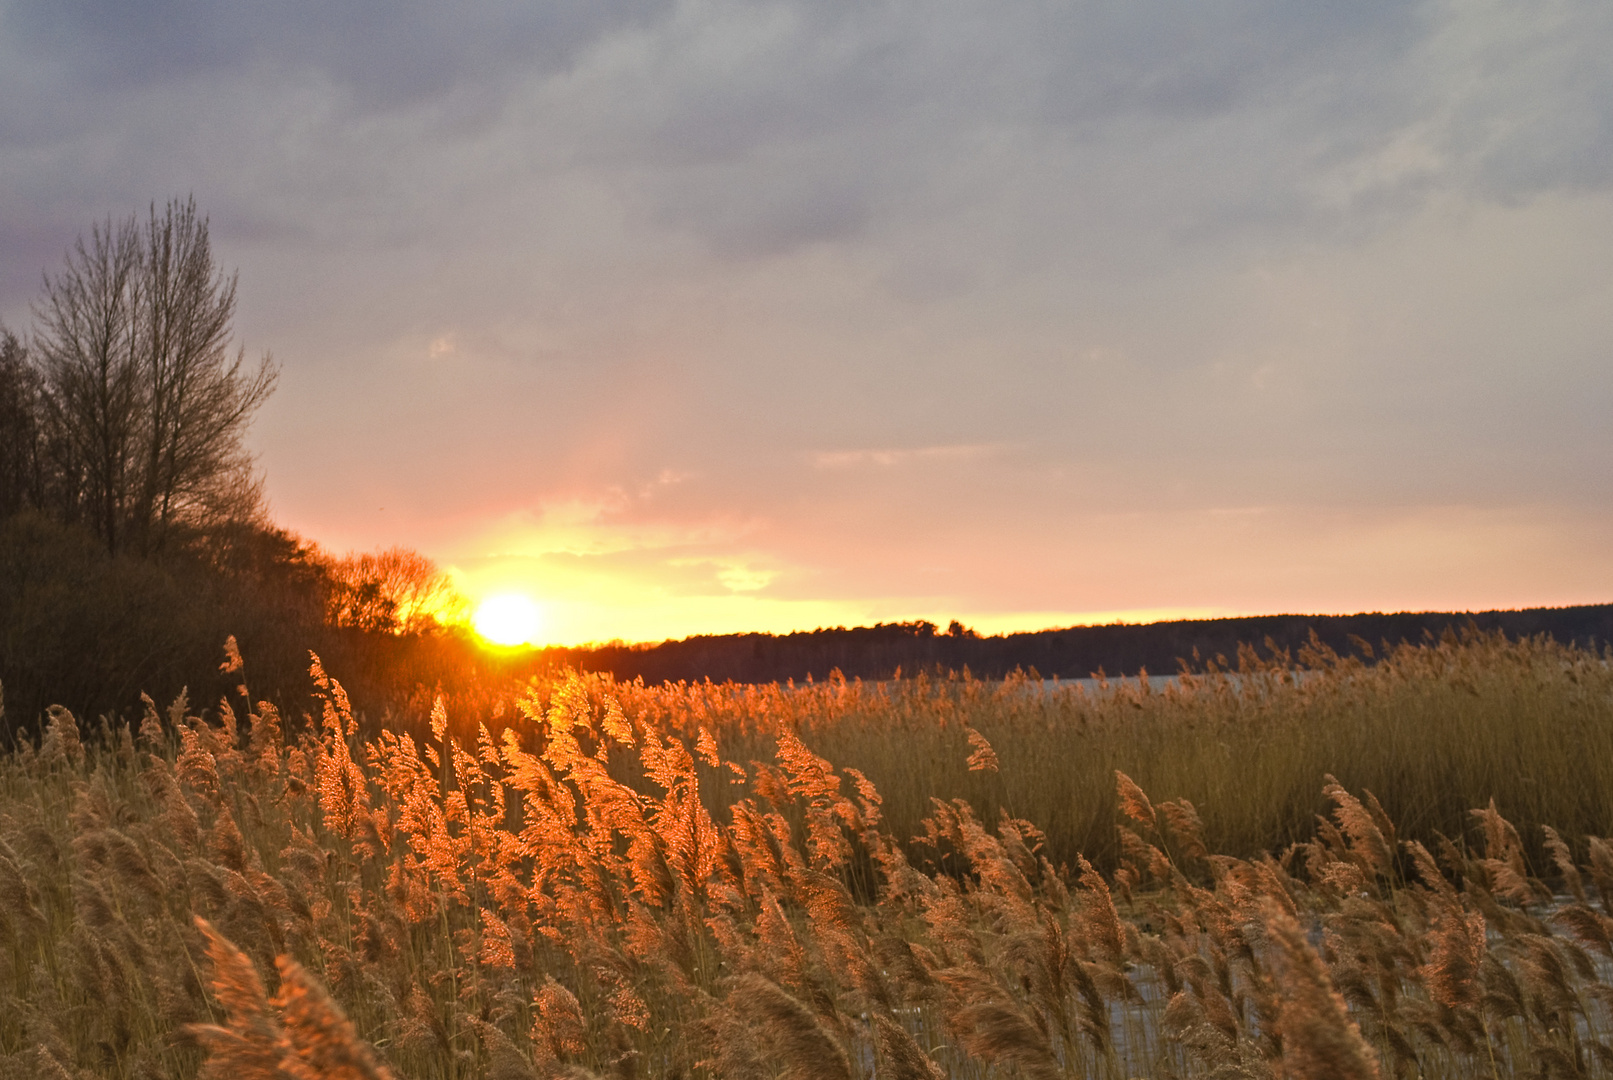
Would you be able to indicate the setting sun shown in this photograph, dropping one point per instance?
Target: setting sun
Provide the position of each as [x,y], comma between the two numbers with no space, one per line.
[508,619]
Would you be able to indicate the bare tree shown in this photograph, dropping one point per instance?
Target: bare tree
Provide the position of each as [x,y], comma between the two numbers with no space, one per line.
[21,438]
[151,408]
[395,591]
[85,344]
[198,398]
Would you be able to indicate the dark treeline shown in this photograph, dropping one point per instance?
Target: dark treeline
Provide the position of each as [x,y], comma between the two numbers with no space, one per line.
[92,631]
[134,539]
[879,652]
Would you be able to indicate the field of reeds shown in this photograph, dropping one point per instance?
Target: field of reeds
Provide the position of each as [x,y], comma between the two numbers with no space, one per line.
[1307,867]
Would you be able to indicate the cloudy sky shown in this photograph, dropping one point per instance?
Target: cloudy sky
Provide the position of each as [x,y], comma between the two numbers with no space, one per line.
[700,316]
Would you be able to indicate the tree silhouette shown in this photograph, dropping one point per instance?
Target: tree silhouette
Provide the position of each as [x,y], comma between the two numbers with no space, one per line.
[145,406]
[21,440]
[392,591]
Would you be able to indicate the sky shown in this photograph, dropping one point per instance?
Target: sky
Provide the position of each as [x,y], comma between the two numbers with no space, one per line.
[699,316]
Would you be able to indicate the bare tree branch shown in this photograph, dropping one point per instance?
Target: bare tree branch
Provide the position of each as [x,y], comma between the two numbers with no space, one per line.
[150,406]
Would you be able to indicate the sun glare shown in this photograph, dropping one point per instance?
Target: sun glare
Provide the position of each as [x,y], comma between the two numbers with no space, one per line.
[507,619]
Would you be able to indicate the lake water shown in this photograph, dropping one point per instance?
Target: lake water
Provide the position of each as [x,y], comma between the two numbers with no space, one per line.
[1156,683]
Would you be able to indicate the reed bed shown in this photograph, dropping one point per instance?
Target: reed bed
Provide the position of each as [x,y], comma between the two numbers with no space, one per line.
[930,878]
[1433,729]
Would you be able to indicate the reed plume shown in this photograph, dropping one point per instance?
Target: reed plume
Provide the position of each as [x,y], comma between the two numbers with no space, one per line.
[1319,1040]
[61,744]
[901,1056]
[1368,844]
[299,1034]
[982,758]
[996,1030]
[1133,802]
[805,1048]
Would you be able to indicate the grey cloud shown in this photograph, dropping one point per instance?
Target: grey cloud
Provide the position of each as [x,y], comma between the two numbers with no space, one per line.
[757,214]
[1537,114]
[387,52]
[767,127]
[1190,61]
[806,68]
[1013,185]
[1252,117]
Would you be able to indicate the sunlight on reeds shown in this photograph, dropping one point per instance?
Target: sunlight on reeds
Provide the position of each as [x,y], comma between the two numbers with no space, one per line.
[1309,867]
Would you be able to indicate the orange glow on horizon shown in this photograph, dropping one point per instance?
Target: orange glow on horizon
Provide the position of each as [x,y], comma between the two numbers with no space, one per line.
[602,582]
[509,618]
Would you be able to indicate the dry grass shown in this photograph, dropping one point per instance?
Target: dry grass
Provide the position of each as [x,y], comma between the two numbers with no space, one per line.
[834,881]
[1434,730]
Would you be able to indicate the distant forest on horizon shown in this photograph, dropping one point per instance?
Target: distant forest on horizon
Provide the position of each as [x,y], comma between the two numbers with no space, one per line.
[1119,649]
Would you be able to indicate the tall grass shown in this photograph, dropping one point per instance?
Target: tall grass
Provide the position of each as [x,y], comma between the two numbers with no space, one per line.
[1432,729]
[938,877]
